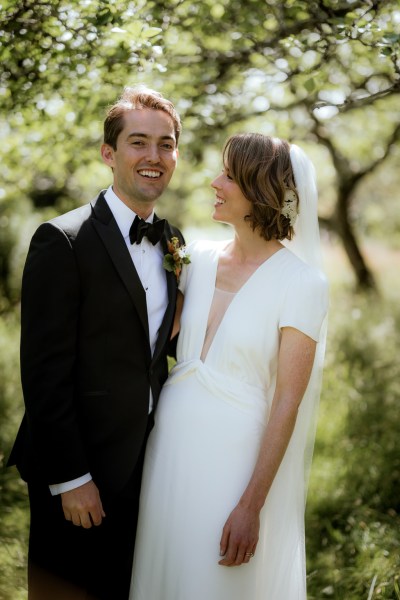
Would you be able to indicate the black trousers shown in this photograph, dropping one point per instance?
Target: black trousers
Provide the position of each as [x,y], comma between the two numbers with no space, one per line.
[70,562]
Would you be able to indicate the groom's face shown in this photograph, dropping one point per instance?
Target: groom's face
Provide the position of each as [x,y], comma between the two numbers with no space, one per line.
[145,157]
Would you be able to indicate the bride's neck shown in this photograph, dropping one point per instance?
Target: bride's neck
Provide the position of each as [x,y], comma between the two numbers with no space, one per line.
[250,247]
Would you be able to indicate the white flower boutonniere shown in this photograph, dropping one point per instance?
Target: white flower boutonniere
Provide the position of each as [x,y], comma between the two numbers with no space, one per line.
[176,258]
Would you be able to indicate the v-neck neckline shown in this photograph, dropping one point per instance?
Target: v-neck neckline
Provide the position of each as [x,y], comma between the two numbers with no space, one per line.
[220,250]
[235,294]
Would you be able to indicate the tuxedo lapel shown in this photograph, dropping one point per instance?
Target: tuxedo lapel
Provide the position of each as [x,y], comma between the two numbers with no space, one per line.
[171,289]
[108,230]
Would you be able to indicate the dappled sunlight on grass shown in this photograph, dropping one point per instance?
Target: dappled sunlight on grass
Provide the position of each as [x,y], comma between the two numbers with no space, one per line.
[14,522]
[13,494]
[353,520]
[13,545]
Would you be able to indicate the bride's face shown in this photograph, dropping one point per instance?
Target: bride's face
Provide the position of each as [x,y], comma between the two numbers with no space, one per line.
[230,206]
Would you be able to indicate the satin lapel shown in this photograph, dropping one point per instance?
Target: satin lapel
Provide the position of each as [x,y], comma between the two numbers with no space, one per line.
[108,230]
[172,290]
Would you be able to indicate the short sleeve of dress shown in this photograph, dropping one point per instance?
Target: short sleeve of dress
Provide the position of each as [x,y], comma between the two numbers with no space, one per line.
[183,279]
[200,253]
[191,251]
[306,302]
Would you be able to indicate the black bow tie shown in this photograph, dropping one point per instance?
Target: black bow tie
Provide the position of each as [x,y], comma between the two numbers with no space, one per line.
[140,228]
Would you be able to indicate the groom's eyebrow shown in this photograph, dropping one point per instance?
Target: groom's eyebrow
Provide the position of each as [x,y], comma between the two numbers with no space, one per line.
[146,136]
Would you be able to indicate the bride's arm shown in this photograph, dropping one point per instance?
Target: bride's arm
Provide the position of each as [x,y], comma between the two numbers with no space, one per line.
[240,533]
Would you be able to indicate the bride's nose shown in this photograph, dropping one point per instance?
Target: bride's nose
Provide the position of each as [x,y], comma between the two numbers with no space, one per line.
[214,183]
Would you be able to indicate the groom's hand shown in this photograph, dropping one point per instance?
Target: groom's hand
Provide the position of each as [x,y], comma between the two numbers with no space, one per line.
[83,505]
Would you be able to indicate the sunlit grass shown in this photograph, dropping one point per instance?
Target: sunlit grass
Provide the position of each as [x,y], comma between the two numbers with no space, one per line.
[353,508]
[13,545]
[13,495]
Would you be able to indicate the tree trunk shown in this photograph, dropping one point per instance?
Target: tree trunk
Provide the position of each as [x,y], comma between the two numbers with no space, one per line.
[364,276]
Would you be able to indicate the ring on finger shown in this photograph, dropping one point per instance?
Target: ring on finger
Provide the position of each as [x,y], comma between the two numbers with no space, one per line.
[249,554]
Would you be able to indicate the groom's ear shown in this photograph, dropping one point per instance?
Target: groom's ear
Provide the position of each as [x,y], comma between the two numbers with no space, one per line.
[107,154]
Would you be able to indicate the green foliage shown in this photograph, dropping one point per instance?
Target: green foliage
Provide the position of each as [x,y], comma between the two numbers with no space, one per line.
[13,497]
[354,505]
[10,387]
[241,62]
[314,72]
[13,542]
[52,48]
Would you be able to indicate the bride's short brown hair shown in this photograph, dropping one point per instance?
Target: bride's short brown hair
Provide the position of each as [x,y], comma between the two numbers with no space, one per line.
[261,167]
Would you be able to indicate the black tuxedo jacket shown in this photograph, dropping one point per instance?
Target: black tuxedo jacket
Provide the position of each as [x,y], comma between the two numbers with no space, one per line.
[86,364]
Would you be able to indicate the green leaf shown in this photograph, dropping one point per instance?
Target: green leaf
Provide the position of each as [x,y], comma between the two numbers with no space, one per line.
[151,32]
[310,85]
[134,29]
[217,11]
[168,262]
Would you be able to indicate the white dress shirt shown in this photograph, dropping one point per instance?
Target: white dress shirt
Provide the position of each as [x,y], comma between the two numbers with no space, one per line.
[148,261]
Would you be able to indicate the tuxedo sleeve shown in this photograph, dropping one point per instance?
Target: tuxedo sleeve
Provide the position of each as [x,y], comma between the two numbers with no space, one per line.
[49,319]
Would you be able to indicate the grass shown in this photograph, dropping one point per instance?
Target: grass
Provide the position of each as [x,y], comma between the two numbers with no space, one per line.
[13,538]
[13,495]
[353,513]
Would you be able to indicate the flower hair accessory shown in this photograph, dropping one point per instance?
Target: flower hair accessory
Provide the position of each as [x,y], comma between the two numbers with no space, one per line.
[290,209]
[176,258]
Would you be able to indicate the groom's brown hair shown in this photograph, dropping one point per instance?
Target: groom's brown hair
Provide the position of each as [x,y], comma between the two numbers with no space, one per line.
[136,98]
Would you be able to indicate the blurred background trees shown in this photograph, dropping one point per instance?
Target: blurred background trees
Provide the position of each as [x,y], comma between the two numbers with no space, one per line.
[322,73]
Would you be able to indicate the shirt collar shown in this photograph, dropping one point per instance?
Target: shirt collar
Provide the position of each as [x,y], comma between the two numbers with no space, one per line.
[123,215]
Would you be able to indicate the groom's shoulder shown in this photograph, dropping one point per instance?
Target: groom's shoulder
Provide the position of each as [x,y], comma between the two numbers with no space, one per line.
[74,220]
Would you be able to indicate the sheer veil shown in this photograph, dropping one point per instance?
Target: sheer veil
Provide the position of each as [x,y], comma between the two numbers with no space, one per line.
[306,245]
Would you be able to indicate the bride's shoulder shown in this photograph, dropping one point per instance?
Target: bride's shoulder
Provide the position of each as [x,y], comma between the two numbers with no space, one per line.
[201,248]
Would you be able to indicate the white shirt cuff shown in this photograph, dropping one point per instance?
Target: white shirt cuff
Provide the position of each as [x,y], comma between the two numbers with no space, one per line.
[60,488]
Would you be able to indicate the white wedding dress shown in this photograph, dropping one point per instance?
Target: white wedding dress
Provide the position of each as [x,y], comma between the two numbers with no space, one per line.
[209,422]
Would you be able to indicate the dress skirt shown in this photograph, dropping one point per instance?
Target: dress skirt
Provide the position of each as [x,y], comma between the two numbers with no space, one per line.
[199,459]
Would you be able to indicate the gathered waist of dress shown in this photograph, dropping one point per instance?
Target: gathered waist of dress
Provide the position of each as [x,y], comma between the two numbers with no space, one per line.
[242,394]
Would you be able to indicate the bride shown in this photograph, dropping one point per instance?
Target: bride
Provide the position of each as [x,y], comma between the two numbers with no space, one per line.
[224,485]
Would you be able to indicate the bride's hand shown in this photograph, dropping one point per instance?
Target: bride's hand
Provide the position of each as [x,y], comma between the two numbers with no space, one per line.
[239,537]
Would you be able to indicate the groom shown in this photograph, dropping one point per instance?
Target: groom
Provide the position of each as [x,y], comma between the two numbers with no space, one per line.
[96,318]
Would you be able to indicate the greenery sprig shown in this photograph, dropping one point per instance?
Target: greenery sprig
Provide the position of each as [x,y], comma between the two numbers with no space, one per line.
[176,258]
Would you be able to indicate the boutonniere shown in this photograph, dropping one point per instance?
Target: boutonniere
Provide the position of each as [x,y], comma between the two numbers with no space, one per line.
[176,257]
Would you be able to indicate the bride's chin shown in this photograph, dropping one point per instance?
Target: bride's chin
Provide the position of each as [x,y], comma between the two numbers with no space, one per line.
[215,217]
